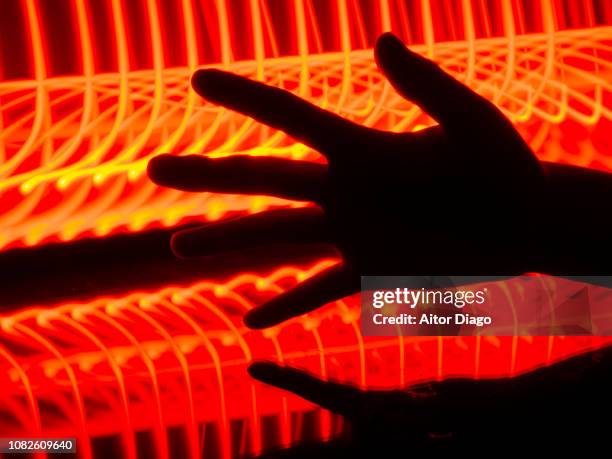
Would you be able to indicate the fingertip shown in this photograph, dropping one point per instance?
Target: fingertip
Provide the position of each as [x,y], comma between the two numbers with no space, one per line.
[158,166]
[388,39]
[208,82]
[392,55]
[263,370]
[255,321]
[179,244]
[387,43]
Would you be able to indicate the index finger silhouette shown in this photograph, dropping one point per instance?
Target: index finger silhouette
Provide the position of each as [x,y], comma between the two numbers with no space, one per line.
[421,81]
[339,398]
[278,108]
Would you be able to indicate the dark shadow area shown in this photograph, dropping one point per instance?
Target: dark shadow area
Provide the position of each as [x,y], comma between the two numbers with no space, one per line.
[83,269]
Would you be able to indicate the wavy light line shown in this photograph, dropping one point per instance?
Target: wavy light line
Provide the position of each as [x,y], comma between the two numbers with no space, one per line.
[75,146]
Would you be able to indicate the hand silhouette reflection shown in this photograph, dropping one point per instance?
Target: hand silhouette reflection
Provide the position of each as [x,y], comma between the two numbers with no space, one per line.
[541,410]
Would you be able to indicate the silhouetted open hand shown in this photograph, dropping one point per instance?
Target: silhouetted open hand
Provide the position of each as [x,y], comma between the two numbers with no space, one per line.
[466,196]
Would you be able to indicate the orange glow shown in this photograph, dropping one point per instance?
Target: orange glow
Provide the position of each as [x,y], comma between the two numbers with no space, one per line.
[175,359]
[74,147]
[91,90]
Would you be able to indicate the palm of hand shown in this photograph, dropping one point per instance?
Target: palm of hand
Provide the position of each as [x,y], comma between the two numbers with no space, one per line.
[414,203]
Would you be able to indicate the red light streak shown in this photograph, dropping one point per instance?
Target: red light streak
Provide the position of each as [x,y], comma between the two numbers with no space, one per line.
[84,110]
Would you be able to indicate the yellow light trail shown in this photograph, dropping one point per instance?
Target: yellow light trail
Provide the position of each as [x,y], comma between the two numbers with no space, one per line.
[75,147]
